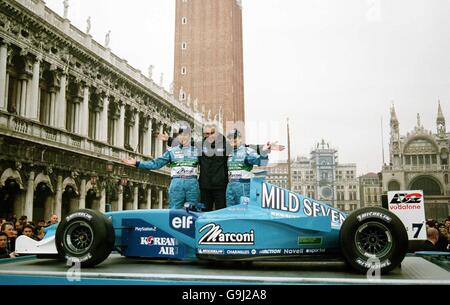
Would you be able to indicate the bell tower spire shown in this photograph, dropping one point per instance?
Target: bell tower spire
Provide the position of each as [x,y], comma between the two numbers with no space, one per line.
[440,121]
[395,131]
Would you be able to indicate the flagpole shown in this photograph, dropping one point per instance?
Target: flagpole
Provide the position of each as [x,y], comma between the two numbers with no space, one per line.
[289,155]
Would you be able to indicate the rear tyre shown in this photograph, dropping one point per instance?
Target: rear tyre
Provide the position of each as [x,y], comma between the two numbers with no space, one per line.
[373,238]
[85,236]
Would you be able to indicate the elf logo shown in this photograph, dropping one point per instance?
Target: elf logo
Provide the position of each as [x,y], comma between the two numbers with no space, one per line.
[183,222]
[406,198]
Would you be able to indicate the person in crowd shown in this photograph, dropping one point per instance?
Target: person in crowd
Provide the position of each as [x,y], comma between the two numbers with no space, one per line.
[432,239]
[19,228]
[447,223]
[53,220]
[4,251]
[8,229]
[28,231]
[39,233]
[431,223]
[443,242]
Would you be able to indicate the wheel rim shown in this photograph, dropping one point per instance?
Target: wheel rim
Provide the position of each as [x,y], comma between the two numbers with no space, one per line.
[373,239]
[78,237]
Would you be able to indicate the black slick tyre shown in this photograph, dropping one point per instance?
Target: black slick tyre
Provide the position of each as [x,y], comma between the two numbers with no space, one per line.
[85,236]
[373,238]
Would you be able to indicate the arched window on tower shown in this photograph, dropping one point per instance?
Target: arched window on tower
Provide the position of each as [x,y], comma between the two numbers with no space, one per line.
[393,186]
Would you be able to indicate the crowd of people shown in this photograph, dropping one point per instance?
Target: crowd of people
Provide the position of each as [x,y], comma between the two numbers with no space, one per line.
[438,235]
[11,228]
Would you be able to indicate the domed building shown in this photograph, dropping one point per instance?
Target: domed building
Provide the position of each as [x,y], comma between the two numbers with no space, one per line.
[419,161]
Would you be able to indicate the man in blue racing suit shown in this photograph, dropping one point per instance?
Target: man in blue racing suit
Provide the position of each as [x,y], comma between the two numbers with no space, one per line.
[183,161]
[240,164]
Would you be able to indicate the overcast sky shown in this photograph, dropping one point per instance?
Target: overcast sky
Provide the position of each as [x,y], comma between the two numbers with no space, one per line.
[332,67]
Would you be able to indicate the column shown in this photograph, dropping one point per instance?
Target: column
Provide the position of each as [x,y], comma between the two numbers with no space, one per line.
[135,141]
[160,142]
[76,123]
[120,198]
[145,139]
[62,104]
[149,197]
[97,131]
[3,61]
[53,113]
[149,137]
[84,115]
[82,203]
[49,207]
[102,207]
[28,211]
[58,198]
[104,121]
[121,126]
[135,198]
[22,97]
[33,104]
[160,206]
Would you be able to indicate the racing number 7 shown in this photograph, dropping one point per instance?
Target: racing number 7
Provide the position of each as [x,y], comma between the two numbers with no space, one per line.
[419,227]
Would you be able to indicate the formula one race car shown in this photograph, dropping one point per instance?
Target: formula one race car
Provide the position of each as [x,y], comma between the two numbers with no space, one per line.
[273,223]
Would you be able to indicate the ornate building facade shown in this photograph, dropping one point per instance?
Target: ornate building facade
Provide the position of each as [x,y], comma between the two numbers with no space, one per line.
[70,111]
[419,161]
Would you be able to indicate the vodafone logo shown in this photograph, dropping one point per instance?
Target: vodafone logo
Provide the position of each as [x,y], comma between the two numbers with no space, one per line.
[400,198]
[406,201]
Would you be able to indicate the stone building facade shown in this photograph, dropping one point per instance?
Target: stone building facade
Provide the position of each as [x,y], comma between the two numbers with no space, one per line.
[70,111]
[370,190]
[419,160]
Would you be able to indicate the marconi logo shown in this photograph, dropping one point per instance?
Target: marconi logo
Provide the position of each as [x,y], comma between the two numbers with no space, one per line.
[215,236]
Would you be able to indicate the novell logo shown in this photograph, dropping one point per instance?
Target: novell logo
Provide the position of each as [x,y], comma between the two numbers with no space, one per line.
[406,198]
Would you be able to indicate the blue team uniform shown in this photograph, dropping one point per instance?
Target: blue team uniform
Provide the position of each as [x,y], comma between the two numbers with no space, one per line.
[183,162]
[240,165]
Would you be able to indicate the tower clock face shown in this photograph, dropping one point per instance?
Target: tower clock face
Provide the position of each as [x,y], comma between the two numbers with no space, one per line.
[326,192]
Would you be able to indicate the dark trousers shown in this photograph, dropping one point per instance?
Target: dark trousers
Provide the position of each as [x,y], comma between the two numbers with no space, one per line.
[211,196]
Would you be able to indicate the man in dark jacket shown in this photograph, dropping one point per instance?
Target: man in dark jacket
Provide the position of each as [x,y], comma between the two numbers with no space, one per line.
[213,178]
[432,239]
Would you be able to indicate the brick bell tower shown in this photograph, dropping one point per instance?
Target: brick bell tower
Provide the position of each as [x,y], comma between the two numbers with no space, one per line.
[209,57]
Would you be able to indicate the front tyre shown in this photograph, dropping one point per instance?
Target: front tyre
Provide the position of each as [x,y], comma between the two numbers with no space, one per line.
[373,238]
[85,236]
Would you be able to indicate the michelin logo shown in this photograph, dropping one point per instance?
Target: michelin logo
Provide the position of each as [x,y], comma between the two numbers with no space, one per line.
[210,251]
